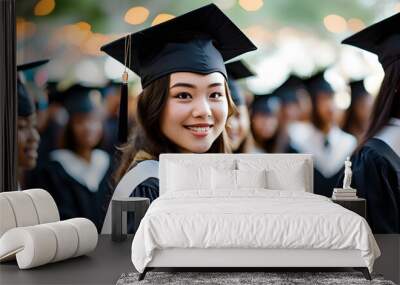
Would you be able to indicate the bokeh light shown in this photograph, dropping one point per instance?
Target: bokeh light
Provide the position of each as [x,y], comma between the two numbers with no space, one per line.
[136,15]
[83,26]
[44,7]
[335,23]
[251,5]
[355,24]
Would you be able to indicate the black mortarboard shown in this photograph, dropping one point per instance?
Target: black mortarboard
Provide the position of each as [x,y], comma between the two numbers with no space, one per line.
[357,89]
[287,91]
[382,38]
[267,104]
[78,99]
[237,70]
[31,65]
[317,83]
[198,41]
[26,106]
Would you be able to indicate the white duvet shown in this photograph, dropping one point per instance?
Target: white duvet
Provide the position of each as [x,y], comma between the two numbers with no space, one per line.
[250,219]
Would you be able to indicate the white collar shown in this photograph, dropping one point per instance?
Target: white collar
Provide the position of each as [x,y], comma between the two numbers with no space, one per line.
[87,174]
[390,134]
[305,138]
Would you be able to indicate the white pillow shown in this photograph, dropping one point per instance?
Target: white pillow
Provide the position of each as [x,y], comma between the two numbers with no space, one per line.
[281,174]
[223,179]
[251,178]
[280,180]
[183,177]
[226,179]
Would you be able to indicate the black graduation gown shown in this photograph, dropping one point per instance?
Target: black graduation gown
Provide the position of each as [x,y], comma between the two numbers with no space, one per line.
[376,176]
[324,185]
[148,189]
[72,198]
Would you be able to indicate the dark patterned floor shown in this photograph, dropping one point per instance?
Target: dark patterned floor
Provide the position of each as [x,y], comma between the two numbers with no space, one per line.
[231,278]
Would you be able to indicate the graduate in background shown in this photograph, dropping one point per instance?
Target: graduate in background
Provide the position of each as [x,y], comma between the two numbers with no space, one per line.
[290,110]
[238,125]
[357,115]
[27,134]
[57,118]
[288,92]
[77,175]
[376,163]
[328,144]
[304,98]
[264,120]
[54,120]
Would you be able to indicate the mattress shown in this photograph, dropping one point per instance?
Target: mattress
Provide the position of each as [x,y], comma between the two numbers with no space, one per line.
[251,219]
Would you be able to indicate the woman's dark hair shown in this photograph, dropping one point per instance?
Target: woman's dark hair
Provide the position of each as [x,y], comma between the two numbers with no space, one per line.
[147,135]
[68,138]
[270,145]
[350,117]
[350,120]
[387,103]
[315,117]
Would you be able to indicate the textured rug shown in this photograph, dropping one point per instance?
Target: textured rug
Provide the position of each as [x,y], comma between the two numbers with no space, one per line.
[242,278]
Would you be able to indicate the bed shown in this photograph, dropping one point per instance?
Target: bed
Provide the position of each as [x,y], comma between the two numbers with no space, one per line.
[247,210]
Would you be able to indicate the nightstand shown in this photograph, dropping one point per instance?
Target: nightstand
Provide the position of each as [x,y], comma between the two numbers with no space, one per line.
[357,205]
[120,207]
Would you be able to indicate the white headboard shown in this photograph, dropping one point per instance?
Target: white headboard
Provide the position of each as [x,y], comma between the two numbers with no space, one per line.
[272,160]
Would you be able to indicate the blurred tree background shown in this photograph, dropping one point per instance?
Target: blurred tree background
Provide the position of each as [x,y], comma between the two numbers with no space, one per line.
[299,36]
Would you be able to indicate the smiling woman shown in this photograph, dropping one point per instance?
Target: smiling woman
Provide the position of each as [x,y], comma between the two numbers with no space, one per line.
[196,110]
[185,101]
[180,112]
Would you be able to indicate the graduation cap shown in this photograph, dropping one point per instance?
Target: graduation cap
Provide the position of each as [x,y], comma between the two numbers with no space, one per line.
[26,106]
[198,41]
[31,65]
[382,38]
[317,83]
[237,70]
[266,104]
[287,91]
[110,88]
[78,99]
[357,89]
